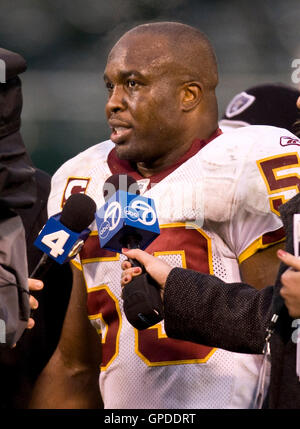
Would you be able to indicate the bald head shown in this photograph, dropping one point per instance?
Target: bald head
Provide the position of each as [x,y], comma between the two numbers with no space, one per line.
[161,81]
[187,49]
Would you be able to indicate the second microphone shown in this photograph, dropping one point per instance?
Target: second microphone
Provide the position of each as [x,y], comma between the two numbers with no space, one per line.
[129,220]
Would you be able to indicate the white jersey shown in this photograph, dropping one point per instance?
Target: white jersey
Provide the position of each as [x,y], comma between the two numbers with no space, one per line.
[216,208]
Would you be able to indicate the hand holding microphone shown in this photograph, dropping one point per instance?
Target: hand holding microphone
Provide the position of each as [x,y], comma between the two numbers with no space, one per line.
[128,220]
[158,269]
[60,239]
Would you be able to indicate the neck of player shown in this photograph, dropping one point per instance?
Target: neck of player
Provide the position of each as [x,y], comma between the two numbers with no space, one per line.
[173,155]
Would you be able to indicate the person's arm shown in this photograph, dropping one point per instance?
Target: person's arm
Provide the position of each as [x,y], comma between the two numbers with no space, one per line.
[204,309]
[70,379]
[261,269]
[290,279]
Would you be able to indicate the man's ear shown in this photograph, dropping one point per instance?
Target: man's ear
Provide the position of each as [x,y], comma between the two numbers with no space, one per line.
[191,95]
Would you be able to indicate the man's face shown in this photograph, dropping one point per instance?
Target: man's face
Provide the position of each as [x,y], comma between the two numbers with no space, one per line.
[298,103]
[143,99]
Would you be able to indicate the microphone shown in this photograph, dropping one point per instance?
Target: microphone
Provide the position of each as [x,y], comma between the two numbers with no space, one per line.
[64,234]
[128,219]
[119,182]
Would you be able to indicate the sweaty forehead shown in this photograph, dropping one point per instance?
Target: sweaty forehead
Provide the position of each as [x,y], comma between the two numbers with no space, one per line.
[141,52]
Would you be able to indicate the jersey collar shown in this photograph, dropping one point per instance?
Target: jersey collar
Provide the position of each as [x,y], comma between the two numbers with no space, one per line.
[118,166]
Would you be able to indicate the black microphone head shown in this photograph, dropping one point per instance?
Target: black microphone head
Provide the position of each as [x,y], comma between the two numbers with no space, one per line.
[119,182]
[78,212]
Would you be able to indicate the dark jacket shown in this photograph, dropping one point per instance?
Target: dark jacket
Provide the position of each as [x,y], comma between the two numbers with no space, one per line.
[17,182]
[24,193]
[205,310]
[17,191]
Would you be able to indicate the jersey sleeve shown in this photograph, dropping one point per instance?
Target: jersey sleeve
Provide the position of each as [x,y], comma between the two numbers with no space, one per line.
[80,174]
[55,201]
[247,174]
[268,178]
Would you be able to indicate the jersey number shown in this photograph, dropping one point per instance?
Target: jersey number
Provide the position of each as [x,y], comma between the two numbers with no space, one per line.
[278,182]
[152,345]
[56,241]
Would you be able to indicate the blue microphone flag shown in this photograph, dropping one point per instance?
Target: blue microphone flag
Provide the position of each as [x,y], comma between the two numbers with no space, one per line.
[126,214]
[58,241]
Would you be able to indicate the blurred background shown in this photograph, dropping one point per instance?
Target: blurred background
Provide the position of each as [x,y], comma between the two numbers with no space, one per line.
[65,44]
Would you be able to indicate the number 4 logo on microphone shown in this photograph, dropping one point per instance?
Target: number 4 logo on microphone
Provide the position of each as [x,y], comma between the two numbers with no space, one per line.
[56,242]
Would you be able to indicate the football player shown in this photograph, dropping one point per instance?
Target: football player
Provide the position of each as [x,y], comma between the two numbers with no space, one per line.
[217,198]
